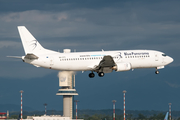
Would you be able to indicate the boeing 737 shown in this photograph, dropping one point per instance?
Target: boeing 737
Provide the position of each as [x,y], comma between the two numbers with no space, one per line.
[98,61]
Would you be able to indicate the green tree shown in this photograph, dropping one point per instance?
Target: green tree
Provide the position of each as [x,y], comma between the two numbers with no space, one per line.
[94,117]
[119,117]
[14,117]
[141,116]
[129,116]
[106,117]
[159,116]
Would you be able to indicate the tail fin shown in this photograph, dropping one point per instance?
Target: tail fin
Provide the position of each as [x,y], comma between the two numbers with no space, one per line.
[30,44]
[166,117]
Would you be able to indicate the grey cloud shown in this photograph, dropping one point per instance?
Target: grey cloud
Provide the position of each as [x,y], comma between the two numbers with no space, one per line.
[86,26]
[173,85]
[55,5]
[15,68]
[6,44]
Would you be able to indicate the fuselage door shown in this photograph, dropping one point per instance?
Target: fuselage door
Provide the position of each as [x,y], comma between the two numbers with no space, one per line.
[51,61]
[156,56]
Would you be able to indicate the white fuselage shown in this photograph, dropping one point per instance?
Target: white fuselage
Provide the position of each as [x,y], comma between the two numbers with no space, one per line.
[100,61]
[84,61]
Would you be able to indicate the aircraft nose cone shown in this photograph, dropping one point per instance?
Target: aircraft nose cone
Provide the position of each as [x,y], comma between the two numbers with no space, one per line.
[170,59]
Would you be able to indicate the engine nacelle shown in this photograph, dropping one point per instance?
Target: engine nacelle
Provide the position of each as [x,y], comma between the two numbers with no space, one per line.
[122,67]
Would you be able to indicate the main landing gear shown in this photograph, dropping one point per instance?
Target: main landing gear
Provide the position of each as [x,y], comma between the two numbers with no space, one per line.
[156,72]
[100,74]
[91,75]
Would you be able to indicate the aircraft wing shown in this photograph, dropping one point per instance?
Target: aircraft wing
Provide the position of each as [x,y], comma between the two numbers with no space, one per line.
[106,63]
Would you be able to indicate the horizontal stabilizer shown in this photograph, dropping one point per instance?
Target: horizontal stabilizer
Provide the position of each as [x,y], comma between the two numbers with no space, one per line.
[19,57]
[31,56]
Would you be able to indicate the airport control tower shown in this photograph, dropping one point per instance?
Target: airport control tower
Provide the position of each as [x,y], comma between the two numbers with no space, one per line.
[67,84]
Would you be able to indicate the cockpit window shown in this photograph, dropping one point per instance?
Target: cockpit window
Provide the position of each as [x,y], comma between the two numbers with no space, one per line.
[164,55]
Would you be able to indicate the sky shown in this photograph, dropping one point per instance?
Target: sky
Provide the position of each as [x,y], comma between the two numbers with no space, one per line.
[89,25]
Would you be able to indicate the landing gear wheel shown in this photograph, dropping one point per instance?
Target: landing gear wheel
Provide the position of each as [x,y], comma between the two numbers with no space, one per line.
[101,74]
[91,75]
[157,72]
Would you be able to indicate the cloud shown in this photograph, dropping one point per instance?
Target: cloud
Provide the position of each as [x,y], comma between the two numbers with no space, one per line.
[173,85]
[86,26]
[89,26]
[33,16]
[5,44]
[15,68]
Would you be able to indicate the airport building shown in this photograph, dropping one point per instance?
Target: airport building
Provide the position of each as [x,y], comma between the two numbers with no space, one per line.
[51,117]
[3,116]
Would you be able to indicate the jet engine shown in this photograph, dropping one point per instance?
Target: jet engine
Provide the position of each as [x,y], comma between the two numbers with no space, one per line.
[122,67]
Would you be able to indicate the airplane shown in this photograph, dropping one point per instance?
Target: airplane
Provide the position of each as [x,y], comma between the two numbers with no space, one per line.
[98,61]
[166,117]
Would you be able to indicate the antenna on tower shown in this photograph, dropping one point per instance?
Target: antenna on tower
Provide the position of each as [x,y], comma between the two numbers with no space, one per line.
[21,103]
[124,91]
[170,111]
[45,108]
[114,101]
[76,107]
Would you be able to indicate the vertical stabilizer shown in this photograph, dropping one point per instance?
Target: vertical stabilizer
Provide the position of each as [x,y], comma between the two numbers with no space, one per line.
[30,44]
[166,117]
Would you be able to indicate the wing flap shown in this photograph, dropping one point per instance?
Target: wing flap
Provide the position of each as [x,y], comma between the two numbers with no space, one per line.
[107,61]
[106,64]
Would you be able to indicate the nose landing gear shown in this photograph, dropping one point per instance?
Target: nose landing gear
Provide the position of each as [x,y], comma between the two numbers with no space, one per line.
[156,72]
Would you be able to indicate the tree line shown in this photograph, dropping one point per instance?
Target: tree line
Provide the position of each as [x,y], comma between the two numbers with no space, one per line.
[104,114]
